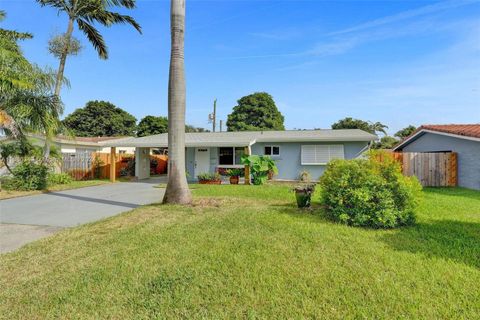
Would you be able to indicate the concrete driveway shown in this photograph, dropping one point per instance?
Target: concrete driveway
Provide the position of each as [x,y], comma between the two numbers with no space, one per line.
[26,219]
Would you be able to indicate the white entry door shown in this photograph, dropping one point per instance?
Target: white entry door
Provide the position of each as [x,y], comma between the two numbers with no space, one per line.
[202,160]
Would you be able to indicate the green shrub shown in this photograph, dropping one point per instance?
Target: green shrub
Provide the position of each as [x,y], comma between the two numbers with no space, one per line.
[58,178]
[29,175]
[370,192]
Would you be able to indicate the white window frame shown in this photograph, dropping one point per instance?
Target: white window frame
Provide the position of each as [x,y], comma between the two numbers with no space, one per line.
[271,150]
[317,150]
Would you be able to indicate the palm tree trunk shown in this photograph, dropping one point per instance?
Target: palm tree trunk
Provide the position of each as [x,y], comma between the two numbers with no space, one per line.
[63,58]
[177,188]
[59,80]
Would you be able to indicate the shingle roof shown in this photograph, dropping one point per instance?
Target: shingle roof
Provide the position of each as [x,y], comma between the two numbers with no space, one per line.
[245,138]
[465,131]
[468,130]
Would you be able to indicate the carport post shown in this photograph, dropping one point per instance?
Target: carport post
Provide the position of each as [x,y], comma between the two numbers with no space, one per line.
[113,162]
[247,168]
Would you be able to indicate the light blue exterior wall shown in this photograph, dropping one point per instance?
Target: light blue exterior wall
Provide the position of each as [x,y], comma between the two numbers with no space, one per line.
[468,155]
[289,161]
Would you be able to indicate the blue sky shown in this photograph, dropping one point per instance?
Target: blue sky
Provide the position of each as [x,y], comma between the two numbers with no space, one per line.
[398,62]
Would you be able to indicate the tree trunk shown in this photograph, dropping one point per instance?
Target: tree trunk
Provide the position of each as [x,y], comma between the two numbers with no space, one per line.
[177,188]
[63,58]
[59,80]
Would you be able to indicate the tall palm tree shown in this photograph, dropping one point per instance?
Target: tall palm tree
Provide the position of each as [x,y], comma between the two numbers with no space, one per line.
[177,188]
[85,13]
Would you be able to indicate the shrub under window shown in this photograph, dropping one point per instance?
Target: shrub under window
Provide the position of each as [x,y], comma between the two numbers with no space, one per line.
[369,192]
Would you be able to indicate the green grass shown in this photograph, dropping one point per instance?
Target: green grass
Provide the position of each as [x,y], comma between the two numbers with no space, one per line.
[7,194]
[247,252]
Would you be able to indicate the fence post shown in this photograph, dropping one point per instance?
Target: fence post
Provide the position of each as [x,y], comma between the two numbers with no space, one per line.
[113,161]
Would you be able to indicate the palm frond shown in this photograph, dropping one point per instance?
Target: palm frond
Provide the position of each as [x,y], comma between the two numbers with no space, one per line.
[129,4]
[108,18]
[62,5]
[94,37]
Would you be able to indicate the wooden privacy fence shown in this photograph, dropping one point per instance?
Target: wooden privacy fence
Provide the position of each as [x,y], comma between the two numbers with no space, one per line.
[84,166]
[433,169]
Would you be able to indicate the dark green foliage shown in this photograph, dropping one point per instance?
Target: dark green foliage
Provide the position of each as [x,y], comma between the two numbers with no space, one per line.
[58,178]
[405,132]
[350,123]
[28,175]
[151,125]
[260,167]
[386,142]
[255,112]
[370,192]
[100,119]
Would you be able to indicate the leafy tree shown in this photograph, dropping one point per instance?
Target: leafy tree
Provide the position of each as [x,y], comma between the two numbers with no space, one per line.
[386,142]
[255,112]
[405,132]
[100,118]
[177,190]
[350,123]
[152,125]
[85,13]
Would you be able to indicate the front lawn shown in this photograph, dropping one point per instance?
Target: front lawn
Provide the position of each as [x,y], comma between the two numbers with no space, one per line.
[7,194]
[247,252]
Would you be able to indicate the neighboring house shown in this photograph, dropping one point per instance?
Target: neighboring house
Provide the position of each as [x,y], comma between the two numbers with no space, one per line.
[464,139]
[83,144]
[293,151]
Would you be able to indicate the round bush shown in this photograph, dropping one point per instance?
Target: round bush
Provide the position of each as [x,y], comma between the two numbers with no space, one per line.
[371,192]
[29,175]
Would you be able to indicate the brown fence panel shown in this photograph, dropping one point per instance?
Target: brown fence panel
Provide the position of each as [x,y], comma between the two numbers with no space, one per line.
[433,169]
[83,166]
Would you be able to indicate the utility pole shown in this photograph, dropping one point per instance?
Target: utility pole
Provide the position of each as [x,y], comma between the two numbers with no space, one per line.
[221,122]
[212,117]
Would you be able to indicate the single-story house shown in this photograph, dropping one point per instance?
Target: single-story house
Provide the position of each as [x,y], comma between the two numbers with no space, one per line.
[464,139]
[293,150]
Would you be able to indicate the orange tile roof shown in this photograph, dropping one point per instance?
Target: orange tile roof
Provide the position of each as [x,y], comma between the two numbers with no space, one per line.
[468,130]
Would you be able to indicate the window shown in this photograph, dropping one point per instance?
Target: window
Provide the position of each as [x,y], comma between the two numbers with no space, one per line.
[225,156]
[321,154]
[239,152]
[230,156]
[272,150]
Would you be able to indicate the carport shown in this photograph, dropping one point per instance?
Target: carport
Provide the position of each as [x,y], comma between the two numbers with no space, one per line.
[201,154]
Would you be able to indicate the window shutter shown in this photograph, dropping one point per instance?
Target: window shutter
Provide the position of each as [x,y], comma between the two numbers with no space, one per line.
[321,154]
[336,151]
[308,154]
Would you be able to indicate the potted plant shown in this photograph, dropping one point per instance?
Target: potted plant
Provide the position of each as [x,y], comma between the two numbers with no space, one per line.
[303,194]
[209,178]
[235,175]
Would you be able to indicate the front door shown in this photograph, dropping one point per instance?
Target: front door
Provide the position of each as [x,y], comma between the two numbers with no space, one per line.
[202,160]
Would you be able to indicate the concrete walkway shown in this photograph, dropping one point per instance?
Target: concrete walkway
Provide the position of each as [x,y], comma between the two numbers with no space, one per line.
[26,219]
